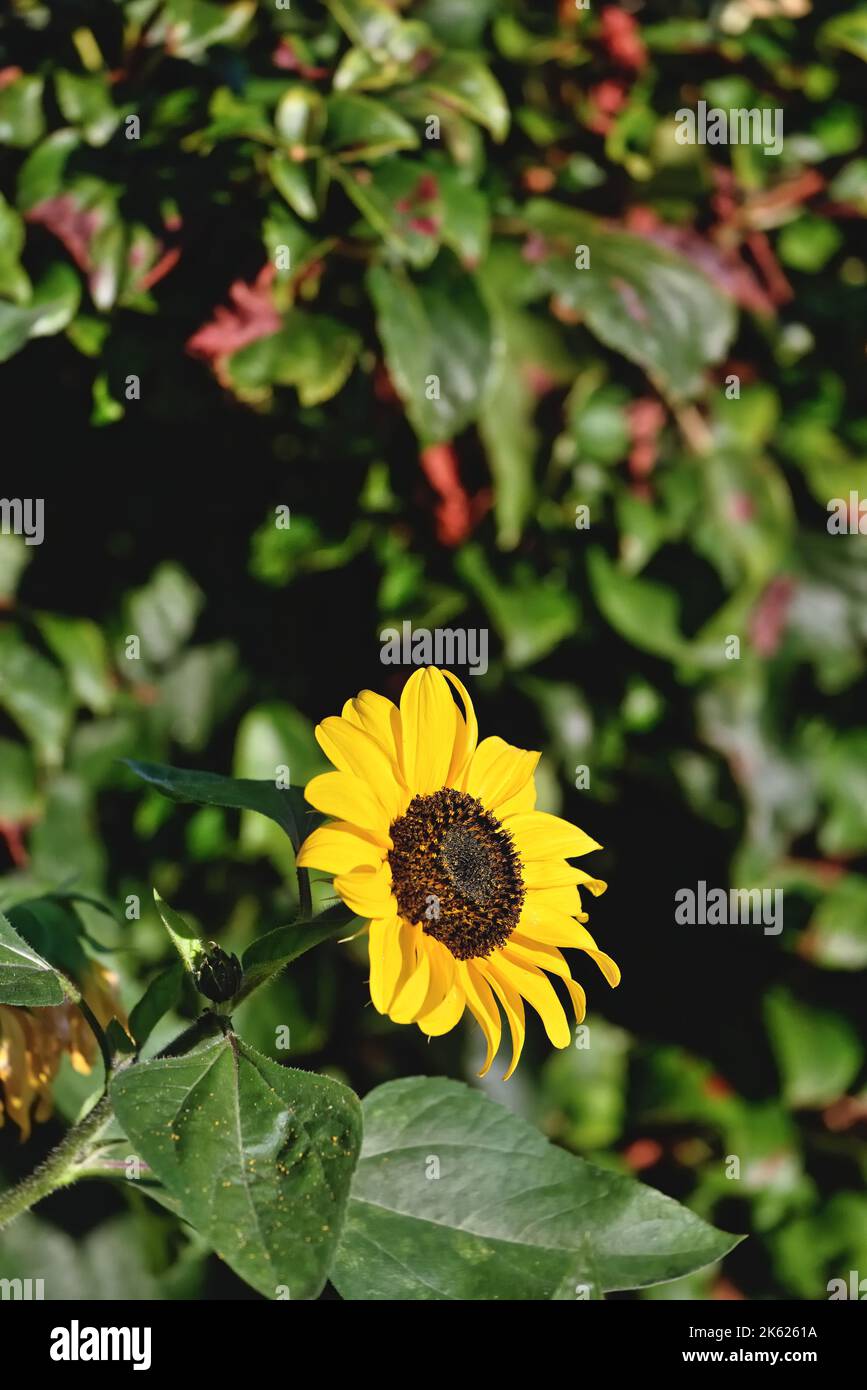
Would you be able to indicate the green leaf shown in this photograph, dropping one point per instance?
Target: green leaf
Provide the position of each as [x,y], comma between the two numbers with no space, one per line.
[312,352]
[259,1156]
[26,980]
[51,307]
[456,1198]
[285,805]
[848,31]
[643,301]
[41,175]
[63,842]
[362,128]
[14,281]
[464,83]
[21,118]
[394,200]
[300,115]
[33,693]
[458,23]
[437,337]
[51,927]
[647,614]
[163,613]
[19,794]
[185,939]
[841,769]
[80,647]
[525,348]
[370,23]
[83,1268]
[466,217]
[836,936]
[532,615]
[85,102]
[269,954]
[161,995]
[188,28]
[292,182]
[819,1053]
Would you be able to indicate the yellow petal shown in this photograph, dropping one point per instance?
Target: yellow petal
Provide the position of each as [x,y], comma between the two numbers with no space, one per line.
[610,969]
[544,957]
[385,961]
[498,771]
[412,987]
[367,891]
[337,848]
[467,734]
[548,873]
[442,976]
[566,899]
[443,1018]
[345,797]
[512,1005]
[537,989]
[356,752]
[428,718]
[483,1006]
[538,835]
[379,718]
[578,997]
[524,800]
[546,924]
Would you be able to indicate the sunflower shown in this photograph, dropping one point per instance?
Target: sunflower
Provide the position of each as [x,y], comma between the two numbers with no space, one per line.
[435,839]
[33,1041]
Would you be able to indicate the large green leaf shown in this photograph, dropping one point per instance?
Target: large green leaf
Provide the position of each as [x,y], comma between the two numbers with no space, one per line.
[643,301]
[437,337]
[259,1156]
[25,978]
[457,1198]
[285,805]
[268,954]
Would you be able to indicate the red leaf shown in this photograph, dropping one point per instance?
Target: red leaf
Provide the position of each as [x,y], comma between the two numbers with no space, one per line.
[252,316]
[456,512]
[284,56]
[74,226]
[770,615]
[619,35]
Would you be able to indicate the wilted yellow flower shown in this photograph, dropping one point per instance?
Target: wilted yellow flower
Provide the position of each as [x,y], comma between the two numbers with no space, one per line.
[33,1041]
[465,884]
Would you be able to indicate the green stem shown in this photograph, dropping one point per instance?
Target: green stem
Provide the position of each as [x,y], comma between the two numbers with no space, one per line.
[99,1035]
[60,1169]
[305,898]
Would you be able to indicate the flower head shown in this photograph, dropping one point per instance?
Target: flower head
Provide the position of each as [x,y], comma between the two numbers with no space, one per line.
[33,1041]
[435,839]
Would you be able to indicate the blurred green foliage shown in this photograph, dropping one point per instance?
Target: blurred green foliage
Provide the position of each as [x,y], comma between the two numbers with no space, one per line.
[234,235]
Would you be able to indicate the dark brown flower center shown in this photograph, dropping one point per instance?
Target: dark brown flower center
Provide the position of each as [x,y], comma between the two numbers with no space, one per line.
[456,872]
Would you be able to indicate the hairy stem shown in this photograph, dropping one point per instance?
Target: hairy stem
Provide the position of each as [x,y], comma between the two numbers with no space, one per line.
[60,1169]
